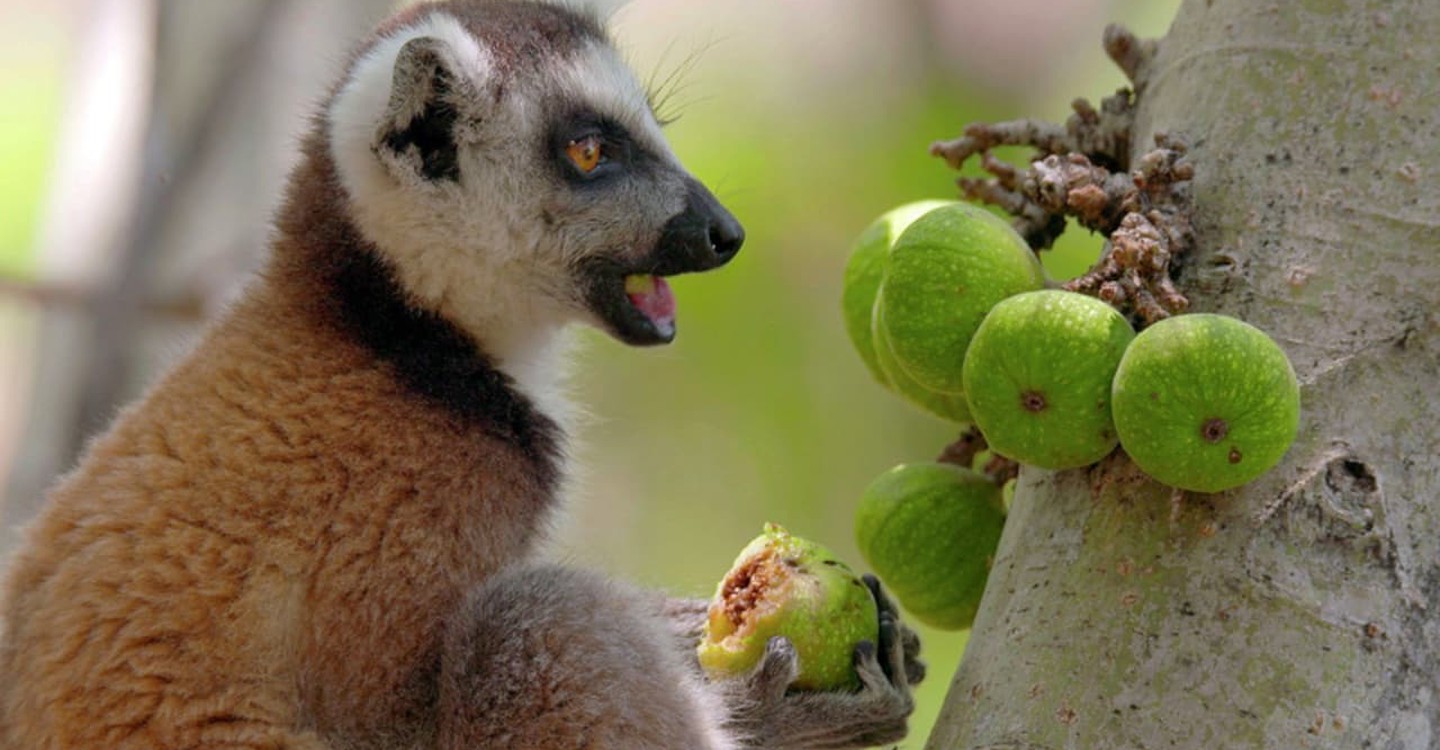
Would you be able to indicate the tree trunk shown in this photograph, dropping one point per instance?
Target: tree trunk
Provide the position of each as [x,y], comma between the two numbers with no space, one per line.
[1302,610]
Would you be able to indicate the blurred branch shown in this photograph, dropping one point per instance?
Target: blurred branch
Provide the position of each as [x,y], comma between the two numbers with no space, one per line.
[41,294]
[118,308]
[189,307]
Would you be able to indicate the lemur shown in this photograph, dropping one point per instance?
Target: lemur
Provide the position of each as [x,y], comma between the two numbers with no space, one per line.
[316,532]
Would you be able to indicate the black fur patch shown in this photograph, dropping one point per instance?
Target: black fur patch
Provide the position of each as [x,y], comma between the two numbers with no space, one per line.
[439,362]
[432,133]
[339,277]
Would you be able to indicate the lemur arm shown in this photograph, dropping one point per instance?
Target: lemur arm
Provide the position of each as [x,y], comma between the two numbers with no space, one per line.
[765,713]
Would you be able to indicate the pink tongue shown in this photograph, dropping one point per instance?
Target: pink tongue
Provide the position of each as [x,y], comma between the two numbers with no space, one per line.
[652,297]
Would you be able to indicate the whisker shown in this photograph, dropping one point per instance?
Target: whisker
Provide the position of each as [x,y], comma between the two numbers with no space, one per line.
[662,94]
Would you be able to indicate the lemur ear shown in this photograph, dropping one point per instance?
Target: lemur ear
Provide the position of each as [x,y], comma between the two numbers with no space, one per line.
[417,135]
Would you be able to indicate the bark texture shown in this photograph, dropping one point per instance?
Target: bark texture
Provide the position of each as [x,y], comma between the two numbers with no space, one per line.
[1302,610]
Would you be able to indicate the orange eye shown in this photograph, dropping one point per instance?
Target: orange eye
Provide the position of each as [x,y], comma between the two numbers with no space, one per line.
[585,153]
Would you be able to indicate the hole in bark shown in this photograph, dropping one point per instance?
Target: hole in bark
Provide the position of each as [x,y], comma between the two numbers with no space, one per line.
[1348,499]
[1360,473]
[1351,474]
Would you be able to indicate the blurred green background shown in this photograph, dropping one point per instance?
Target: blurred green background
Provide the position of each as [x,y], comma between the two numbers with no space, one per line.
[30,95]
[808,118]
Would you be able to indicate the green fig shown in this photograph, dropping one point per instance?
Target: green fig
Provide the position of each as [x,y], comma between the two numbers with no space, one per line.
[866,270]
[929,531]
[945,272]
[949,406]
[1037,377]
[1205,402]
[785,585]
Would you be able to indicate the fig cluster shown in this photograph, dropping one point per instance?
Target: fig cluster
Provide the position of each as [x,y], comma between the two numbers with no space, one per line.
[948,307]
[918,283]
[962,325]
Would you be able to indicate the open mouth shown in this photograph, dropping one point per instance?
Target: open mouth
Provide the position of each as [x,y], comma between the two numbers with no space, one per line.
[632,297]
[638,308]
[651,296]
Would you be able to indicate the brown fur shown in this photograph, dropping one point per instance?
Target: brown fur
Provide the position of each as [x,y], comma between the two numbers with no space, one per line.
[271,538]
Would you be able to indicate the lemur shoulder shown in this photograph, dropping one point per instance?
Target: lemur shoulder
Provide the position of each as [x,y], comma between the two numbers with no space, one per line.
[316,531]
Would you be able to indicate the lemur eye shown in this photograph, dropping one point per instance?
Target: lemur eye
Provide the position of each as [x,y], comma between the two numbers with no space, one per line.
[585,153]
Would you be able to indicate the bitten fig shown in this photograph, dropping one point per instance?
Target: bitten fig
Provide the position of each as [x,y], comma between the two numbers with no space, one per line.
[1037,377]
[784,585]
[1205,402]
[929,530]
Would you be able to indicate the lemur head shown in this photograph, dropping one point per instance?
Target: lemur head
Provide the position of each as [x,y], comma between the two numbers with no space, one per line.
[509,168]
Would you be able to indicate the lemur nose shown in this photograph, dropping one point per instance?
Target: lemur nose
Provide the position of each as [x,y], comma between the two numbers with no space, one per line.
[726,235]
[722,228]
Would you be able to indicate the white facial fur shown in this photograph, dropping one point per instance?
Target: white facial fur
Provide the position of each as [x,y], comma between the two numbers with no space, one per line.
[428,230]
[473,250]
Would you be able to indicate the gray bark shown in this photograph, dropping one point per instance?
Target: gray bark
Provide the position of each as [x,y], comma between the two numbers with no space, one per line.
[1302,610]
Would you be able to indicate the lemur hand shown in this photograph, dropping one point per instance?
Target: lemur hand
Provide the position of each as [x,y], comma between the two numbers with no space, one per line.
[767,714]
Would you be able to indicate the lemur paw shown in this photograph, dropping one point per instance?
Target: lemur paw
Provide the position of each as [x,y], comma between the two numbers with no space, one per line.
[899,643]
[767,714]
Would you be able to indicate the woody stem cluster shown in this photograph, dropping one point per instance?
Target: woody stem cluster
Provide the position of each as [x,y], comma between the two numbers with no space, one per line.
[1082,171]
